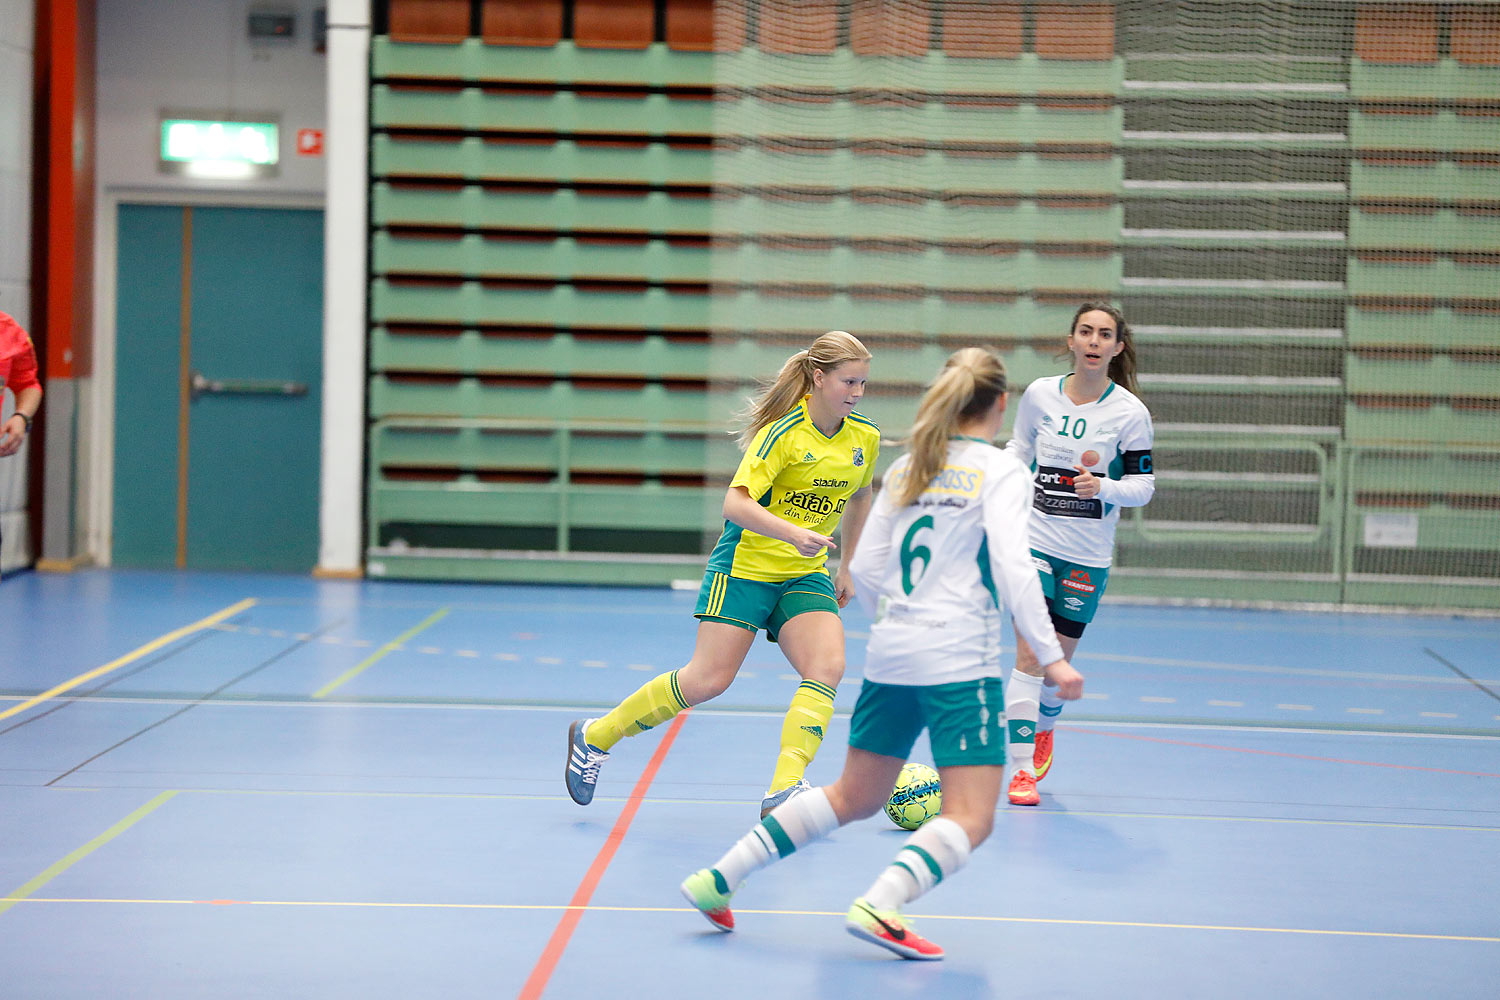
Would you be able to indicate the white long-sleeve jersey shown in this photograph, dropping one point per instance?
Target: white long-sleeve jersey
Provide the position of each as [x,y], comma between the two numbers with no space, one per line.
[1111,437]
[936,574]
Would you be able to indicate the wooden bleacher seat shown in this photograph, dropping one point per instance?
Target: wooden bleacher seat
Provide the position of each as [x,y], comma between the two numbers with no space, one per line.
[614,24]
[521,22]
[1474,35]
[799,27]
[983,31]
[1079,31]
[429,21]
[883,28]
[1397,34]
[695,26]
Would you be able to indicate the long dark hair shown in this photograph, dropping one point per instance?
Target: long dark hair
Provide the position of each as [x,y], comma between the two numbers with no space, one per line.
[1122,365]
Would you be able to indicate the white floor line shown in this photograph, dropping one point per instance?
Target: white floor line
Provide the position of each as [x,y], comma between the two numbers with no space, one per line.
[767,713]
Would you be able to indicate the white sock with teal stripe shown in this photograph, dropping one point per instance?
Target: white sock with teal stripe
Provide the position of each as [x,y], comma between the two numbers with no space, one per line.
[936,850]
[1049,710]
[1023,696]
[795,823]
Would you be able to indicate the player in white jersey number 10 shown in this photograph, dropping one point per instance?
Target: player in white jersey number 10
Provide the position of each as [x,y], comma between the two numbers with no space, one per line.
[1087,437]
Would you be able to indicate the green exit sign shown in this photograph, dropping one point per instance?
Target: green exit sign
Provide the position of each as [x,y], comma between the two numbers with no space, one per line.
[217,147]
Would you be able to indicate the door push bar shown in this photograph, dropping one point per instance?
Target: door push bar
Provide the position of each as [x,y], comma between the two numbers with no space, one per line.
[200,385]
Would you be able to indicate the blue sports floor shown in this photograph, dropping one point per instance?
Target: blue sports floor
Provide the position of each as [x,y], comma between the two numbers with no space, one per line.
[249,786]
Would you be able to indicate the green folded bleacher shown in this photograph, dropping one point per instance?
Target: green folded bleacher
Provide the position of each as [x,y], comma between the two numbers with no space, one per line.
[592,234]
[1423,369]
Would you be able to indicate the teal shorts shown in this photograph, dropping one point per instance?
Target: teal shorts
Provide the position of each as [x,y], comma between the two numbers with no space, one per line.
[1072,589]
[754,605]
[965,720]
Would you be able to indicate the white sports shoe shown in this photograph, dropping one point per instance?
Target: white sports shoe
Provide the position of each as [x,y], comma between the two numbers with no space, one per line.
[774,799]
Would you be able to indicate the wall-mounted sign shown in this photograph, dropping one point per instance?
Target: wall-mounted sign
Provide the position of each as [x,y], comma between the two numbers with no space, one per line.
[219,148]
[1391,531]
[309,142]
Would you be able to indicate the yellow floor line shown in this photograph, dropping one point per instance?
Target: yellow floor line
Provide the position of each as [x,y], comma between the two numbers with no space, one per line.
[1147,925]
[370,661]
[69,860]
[132,656]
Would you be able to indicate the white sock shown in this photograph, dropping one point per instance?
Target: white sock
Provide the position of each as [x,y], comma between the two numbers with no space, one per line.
[795,823]
[1050,709]
[937,849]
[1023,695]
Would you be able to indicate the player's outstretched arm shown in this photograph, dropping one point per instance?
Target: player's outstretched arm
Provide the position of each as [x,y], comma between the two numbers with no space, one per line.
[739,508]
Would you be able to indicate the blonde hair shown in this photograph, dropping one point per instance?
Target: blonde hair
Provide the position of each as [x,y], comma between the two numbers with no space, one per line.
[795,380]
[1122,365]
[970,382]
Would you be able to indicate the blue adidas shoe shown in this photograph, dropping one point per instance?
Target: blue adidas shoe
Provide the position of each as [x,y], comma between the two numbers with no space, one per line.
[584,759]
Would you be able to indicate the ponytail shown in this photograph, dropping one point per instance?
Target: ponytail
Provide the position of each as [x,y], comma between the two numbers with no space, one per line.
[968,385]
[795,380]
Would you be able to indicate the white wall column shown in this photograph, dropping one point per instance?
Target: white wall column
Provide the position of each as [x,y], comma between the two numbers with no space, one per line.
[345,275]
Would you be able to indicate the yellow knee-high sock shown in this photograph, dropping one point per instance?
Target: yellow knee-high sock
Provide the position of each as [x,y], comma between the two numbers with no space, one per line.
[653,703]
[802,732]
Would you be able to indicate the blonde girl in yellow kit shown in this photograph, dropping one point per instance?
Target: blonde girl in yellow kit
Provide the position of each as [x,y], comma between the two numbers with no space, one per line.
[808,463]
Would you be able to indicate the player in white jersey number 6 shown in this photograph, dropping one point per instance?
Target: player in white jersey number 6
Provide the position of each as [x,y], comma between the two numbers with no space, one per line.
[944,549]
[1088,438]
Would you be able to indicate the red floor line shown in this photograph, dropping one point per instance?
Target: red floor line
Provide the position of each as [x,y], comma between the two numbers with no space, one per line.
[542,973]
[1281,753]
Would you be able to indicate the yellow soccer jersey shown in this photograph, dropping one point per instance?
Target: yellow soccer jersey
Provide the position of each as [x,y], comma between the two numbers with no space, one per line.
[803,476]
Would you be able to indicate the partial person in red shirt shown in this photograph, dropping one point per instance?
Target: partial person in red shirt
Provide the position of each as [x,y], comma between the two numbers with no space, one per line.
[18,374]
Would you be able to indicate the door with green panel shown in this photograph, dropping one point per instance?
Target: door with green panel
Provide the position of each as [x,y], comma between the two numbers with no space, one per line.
[219,334]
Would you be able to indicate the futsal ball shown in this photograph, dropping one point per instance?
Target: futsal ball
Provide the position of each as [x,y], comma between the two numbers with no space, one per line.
[917,797]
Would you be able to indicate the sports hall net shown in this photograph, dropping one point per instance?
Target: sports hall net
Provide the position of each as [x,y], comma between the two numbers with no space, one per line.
[1297,206]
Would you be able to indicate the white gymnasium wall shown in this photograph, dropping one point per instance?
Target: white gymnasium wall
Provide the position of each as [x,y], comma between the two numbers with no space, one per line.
[17,38]
[196,56]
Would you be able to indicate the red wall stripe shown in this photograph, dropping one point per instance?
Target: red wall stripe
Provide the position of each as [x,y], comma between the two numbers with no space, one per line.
[65,113]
